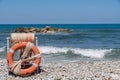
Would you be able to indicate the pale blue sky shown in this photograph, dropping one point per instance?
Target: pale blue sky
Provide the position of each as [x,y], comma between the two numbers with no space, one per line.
[59,11]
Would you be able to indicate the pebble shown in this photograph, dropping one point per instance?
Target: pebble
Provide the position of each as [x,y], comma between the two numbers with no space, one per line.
[99,70]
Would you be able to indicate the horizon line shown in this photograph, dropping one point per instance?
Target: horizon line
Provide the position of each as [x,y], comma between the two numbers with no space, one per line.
[55,23]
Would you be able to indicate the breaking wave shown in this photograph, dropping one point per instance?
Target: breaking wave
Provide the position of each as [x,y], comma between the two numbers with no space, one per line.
[92,53]
[74,52]
[2,49]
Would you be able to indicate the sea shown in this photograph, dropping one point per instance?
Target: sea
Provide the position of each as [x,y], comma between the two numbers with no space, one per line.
[84,42]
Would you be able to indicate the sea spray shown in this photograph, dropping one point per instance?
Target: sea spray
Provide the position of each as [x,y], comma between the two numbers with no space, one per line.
[92,53]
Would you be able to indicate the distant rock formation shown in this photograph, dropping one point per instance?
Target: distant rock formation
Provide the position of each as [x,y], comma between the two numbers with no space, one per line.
[47,29]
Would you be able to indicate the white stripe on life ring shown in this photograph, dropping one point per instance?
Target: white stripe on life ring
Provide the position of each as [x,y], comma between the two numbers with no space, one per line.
[36,65]
[11,50]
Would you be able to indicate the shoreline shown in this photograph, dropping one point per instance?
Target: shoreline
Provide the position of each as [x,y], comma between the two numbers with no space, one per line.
[96,70]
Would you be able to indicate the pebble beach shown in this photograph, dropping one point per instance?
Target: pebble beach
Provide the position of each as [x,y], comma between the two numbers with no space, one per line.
[96,70]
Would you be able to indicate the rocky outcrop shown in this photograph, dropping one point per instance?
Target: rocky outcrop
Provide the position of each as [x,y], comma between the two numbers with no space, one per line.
[47,29]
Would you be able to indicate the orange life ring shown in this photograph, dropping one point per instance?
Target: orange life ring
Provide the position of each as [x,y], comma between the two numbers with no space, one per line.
[21,45]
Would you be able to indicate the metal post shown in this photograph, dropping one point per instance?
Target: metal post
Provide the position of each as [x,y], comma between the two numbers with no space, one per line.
[36,41]
[8,44]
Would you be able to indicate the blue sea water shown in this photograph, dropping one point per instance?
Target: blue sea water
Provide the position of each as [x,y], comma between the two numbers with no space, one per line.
[84,42]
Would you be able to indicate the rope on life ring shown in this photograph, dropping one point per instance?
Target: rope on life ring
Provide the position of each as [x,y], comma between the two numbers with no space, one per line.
[15,67]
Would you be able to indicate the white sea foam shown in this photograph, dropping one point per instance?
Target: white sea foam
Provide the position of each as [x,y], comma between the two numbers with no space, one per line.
[93,53]
[2,49]
[53,33]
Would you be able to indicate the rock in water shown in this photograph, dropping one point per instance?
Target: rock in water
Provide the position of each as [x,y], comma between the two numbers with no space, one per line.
[47,29]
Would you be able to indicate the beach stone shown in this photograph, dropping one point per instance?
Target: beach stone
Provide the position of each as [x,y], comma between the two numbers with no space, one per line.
[99,70]
[114,76]
[97,75]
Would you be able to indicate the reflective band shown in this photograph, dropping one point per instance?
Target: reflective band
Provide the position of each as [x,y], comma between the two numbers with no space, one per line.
[11,50]
[36,65]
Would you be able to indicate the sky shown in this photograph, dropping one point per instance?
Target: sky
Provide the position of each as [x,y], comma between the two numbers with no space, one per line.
[59,11]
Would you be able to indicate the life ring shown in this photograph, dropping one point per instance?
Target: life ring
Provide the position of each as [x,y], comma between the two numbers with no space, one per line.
[18,46]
